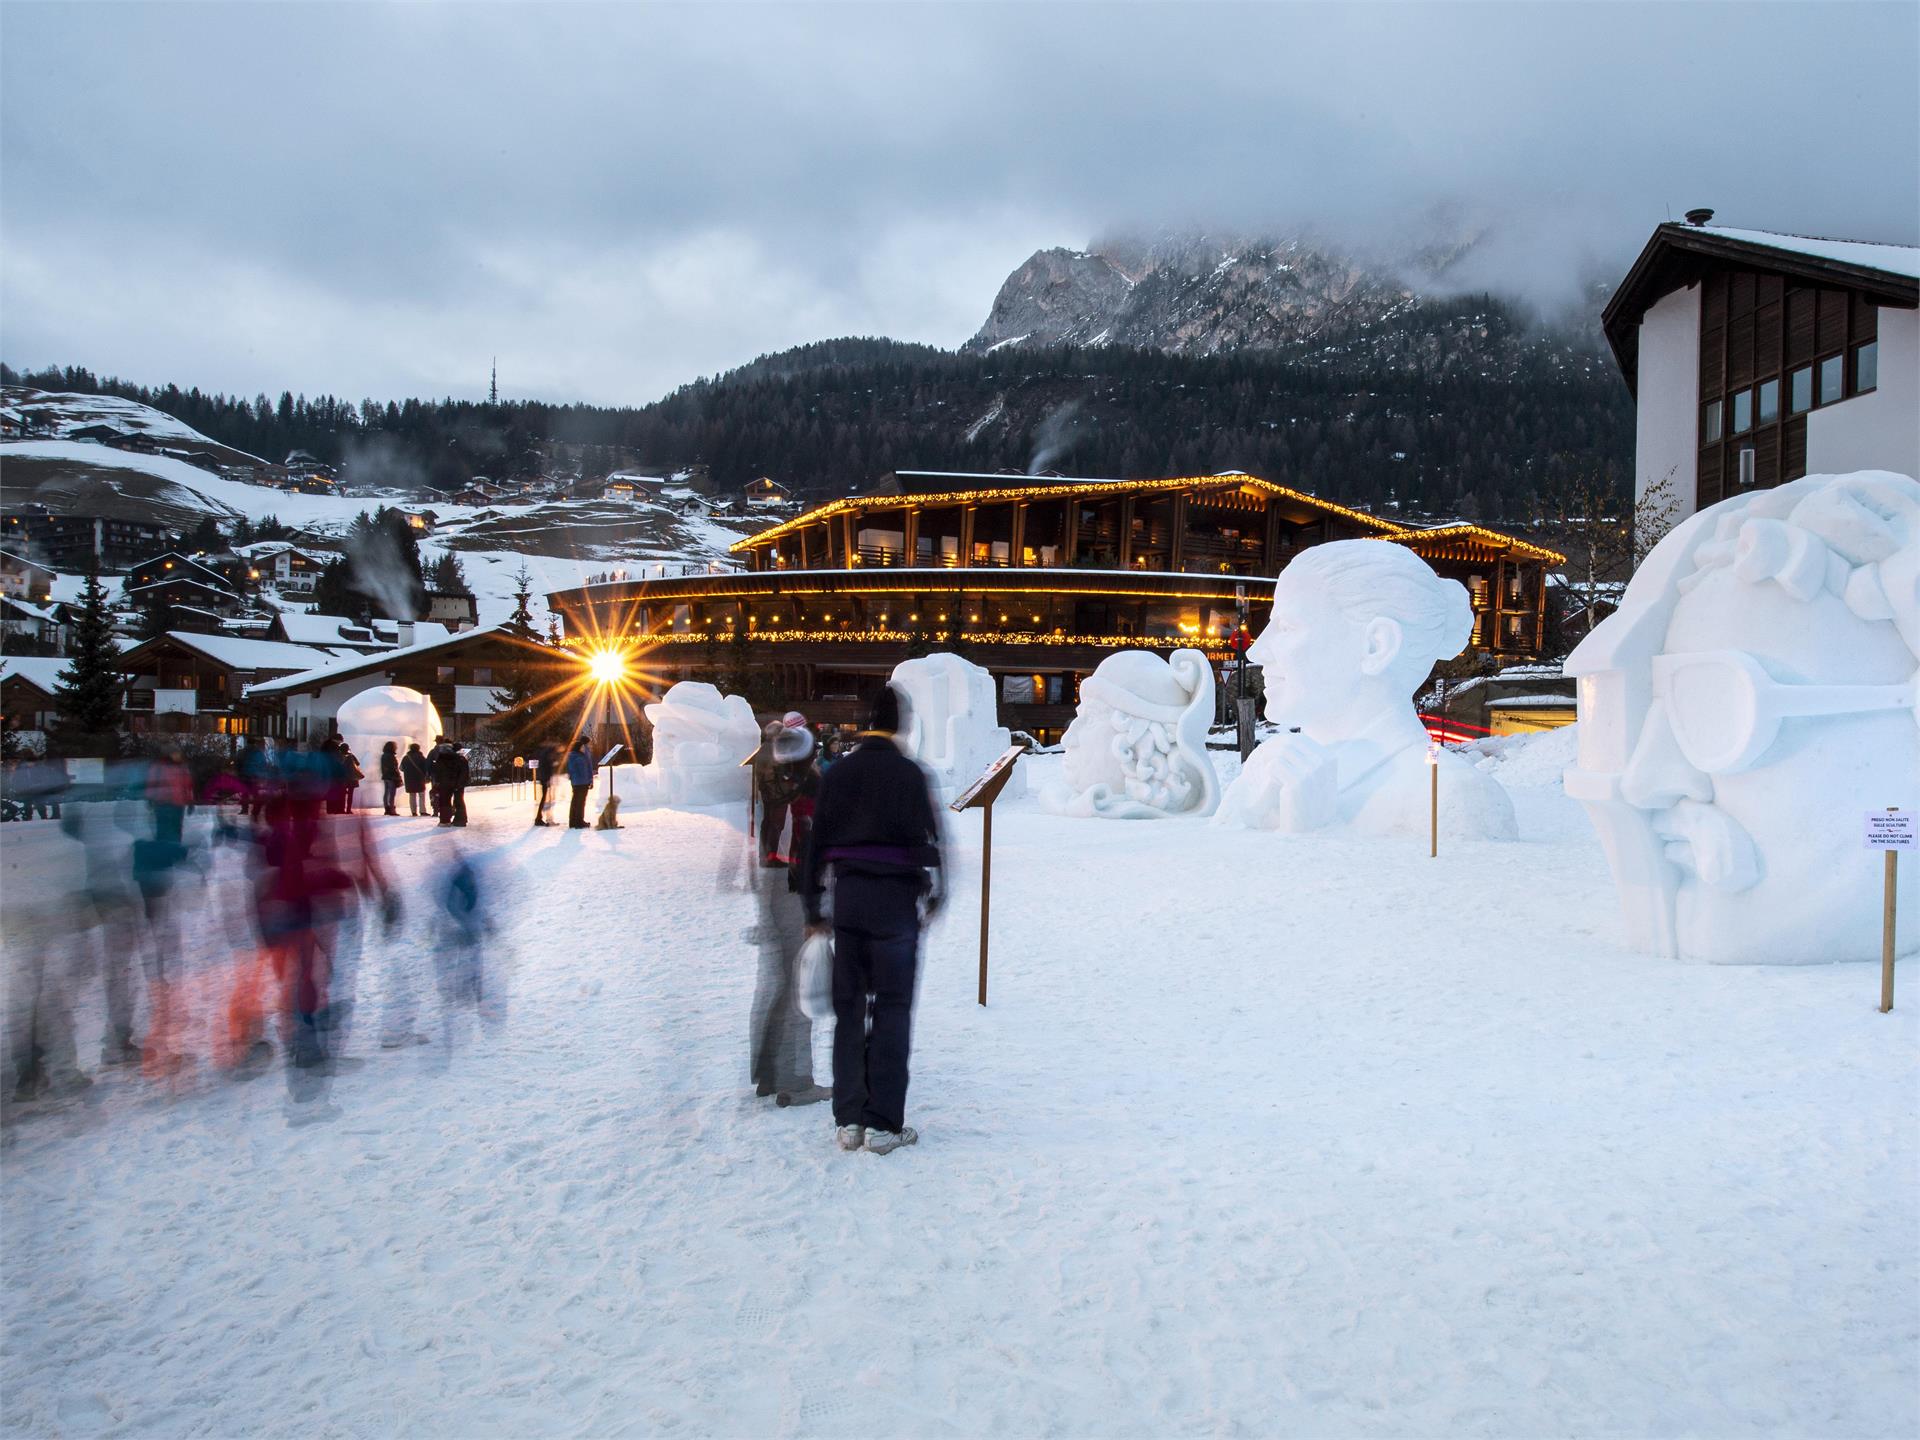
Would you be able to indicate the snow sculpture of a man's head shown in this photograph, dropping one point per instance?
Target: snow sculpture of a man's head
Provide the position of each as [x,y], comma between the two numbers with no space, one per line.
[1357,626]
[1753,696]
[1137,747]
[699,739]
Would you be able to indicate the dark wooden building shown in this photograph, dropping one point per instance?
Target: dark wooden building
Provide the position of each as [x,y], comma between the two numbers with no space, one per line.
[1035,579]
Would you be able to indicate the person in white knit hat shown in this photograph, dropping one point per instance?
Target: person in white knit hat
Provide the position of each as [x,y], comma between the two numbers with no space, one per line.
[1137,748]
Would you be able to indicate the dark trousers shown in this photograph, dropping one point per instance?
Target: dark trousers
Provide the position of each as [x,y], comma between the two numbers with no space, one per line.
[577,811]
[773,819]
[876,940]
[388,790]
[459,805]
[540,805]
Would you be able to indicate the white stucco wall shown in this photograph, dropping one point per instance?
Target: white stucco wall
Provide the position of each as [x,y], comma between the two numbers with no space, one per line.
[317,710]
[1667,423]
[1880,431]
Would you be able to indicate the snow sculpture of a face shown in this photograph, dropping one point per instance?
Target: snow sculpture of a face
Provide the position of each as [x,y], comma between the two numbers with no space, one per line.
[1357,625]
[699,739]
[1137,747]
[373,717]
[950,722]
[1752,698]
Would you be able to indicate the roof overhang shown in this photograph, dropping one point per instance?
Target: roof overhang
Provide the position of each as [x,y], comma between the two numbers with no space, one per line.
[1057,490]
[1677,256]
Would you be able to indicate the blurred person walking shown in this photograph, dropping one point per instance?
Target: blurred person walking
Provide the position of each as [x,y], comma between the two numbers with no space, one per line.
[780,1033]
[580,771]
[158,861]
[389,776]
[545,763]
[875,830]
[413,771]
[256,770]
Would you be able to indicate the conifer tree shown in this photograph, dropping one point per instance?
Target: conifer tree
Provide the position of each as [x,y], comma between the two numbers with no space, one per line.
[87,699]
[517,717]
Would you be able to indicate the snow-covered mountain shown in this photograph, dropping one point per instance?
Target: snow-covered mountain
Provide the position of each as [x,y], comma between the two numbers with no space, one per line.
[1203,294]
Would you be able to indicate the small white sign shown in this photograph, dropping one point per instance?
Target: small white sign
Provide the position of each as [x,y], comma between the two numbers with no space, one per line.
[1893,830]
[619,745]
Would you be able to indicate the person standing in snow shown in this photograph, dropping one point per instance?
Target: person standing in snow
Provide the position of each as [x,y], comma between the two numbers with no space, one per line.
[460,771]
[413,771]
[579,775]
[440,772]
[874,827]
[389,776]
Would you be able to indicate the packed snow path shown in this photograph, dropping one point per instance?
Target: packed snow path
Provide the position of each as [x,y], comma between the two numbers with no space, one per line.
[1258,1136]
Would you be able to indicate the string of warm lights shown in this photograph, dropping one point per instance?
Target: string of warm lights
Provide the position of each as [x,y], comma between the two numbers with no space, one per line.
[1057,491]
[972,637]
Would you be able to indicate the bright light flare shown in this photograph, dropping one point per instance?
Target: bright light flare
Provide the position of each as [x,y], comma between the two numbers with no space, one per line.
[608,667]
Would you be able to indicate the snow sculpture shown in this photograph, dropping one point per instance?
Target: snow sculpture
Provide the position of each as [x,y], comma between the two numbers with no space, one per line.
[373,717]
[1753,696]
[1137,747]
[1357,625]
[951,725]
[699,739]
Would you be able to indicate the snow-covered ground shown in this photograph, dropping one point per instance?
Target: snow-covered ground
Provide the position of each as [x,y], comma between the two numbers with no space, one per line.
[1259,1135]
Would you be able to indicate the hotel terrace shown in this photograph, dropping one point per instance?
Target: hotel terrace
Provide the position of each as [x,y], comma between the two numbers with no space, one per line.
[1039,579]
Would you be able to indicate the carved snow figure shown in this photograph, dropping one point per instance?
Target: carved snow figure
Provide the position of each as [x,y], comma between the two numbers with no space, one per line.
[699,739]
[373,717]
[951,725]
[1137,747]
[1752,698]
[1357,625]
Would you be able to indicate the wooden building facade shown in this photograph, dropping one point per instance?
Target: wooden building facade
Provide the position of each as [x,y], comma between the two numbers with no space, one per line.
[1037,580]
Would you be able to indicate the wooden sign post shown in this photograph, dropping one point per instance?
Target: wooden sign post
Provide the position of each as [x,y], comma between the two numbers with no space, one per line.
[1433,799]
[1890,831]
[980,796]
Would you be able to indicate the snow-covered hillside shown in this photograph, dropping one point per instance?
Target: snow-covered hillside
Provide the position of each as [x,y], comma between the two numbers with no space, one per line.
[58,414]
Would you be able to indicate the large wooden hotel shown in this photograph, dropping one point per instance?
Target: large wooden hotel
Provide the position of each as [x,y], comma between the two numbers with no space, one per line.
[1038,578]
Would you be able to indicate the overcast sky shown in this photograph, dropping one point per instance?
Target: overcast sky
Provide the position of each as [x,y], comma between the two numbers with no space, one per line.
[374,201]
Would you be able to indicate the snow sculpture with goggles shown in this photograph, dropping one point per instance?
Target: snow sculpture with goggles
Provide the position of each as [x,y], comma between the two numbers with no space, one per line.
[1757,690]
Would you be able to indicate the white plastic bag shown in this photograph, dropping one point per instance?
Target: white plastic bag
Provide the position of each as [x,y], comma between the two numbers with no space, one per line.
[814,977]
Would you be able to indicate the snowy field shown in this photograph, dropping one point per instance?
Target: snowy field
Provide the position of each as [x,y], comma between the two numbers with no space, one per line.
[1259,1135]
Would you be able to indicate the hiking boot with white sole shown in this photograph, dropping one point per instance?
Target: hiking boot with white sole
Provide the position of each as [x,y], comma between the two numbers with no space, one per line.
[883,1142]
[850,1137]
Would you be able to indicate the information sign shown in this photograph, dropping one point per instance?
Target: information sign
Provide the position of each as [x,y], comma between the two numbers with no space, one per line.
[1893,830]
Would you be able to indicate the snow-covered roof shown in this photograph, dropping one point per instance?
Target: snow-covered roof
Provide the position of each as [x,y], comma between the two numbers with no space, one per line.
[242,652]
[42,671]
[353,664]
[315,629]
[38,612]
[22,560]
[1870,255]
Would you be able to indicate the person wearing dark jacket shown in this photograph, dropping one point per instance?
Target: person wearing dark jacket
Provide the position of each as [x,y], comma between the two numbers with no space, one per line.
[461,771]
[440,772]
[389,776]
[543,768]
[580,776]
[875,829]
[413,770]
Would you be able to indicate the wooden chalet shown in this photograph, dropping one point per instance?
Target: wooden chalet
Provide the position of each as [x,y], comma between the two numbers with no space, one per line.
[1037,579]
[188,683]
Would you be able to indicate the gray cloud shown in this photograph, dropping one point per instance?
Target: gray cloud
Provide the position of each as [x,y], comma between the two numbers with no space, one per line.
[375,201]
